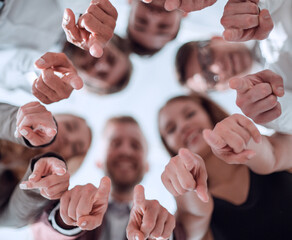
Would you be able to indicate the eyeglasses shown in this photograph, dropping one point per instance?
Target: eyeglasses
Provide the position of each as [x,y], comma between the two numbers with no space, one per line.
[206,59]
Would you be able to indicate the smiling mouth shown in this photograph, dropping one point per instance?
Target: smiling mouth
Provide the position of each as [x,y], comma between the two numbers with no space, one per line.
[192,137]
[125,164]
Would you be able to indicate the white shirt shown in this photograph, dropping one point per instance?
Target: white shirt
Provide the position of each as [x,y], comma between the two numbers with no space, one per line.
[28,29]
[277,50]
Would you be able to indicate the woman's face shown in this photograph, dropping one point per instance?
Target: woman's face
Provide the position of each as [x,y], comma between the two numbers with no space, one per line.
[73,137]
[181,124]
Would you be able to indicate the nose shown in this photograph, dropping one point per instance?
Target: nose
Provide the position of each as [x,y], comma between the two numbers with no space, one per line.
[126,149]
[102,66]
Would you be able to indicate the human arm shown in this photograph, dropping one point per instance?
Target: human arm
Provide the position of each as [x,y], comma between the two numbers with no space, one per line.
[94,29]
[26,206]
[185,177]
[243,21]
[148,219]
[236,140]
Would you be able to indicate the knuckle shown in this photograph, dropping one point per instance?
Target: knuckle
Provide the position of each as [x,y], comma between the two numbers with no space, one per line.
[253,7]
[272,100]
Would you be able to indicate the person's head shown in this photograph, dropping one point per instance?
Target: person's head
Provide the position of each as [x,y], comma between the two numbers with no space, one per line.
[125,153]
[182,119]
[73,138]
[208,65]
[108,74]
[151,27]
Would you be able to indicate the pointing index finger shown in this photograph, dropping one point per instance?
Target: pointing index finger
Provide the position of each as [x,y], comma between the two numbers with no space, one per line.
[139,195]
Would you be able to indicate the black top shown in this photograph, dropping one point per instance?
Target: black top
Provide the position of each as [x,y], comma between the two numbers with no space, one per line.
[266,214]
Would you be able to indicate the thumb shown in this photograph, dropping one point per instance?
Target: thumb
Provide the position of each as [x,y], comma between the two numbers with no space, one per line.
[266,25]
[171,5]
[73,80]
[139,195]
[213,140]
[104,188]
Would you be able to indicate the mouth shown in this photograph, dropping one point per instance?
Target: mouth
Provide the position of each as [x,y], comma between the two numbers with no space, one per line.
[125,164]
[191,137]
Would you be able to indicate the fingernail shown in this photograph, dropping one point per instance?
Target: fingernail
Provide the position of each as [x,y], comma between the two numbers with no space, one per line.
[41,61]
[23,186]
[31,176]
[267,16]
[23,132]
[66,18]
[83,224]
[280,89]
[16,134]
[61,171]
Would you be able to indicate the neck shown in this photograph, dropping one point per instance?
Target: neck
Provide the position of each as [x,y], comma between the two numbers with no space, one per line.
[122,197]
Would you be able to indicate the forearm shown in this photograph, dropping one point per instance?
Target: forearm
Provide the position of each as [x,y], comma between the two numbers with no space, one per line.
[272,154]
[194,214]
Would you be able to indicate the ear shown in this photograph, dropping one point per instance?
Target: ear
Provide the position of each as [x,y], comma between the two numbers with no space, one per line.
[217,38]
[99,164]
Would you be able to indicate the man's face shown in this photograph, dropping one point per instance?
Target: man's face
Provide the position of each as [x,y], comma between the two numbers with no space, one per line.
[105,72]
[125,155]
[151,25]
[212,65]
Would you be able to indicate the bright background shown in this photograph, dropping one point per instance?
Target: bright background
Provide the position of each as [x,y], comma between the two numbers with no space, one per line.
[153,83]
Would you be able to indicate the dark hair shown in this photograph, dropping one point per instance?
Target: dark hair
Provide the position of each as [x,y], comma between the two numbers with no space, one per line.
[70,50]
[216,113]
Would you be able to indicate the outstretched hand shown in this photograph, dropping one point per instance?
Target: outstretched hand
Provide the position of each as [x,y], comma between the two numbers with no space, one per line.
[35,123]
[148,219]
[94,28]
[243,21]
[257,95]
[230,137]
[186,172]
[85,206]
[50,176]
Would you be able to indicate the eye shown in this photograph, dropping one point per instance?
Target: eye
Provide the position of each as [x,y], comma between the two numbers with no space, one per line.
[190,114]
[142,21]
[68,126]
[170,129]
[111,59]
[116,143]
[163,26]
[135,145]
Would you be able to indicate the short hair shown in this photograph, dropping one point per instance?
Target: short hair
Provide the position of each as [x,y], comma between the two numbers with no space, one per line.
[70,50]
[122,119]
[215,112]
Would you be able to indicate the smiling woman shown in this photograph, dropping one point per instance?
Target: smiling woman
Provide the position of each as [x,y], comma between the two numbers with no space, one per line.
[141,87]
